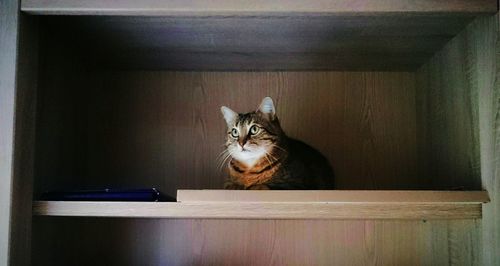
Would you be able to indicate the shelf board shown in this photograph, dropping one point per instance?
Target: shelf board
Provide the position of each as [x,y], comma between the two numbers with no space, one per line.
[333,196]
[220,204]
[235,7]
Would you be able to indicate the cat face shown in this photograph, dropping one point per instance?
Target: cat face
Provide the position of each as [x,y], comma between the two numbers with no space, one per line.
[252,136]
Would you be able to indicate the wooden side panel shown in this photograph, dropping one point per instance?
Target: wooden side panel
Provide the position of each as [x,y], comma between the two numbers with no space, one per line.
[92,241]
[448,118]
[165,129]
[9,18]
[18,73]
[458,97]
[486,37]
[24,143]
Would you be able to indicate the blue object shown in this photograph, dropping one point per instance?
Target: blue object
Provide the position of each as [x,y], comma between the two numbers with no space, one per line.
[150,194]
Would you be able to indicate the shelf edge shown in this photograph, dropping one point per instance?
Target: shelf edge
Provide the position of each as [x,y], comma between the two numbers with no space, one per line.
[255,210]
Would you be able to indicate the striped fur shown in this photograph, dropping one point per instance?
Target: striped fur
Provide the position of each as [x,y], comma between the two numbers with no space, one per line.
[261,156]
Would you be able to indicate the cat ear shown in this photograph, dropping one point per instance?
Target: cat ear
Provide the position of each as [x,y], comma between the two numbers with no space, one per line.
[229,115]
[267,108]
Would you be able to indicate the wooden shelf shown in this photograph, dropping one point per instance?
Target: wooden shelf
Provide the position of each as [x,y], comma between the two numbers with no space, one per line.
[229,7]
[223,204]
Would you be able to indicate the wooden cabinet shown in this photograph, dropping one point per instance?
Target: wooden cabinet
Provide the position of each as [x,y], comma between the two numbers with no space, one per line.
[401,97]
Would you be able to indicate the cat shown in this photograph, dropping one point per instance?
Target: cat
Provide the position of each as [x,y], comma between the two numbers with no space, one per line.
[261,156]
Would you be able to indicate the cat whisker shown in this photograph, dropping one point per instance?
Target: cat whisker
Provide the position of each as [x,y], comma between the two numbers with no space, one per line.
[278,147]
[223,152]
[222,156]
[272,156]
[223,161]
[267,158]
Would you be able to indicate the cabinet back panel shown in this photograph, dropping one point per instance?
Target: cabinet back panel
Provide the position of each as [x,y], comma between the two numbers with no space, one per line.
[165,129]
[92,241]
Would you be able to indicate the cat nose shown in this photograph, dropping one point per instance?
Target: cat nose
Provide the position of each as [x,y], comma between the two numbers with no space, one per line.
[242,142]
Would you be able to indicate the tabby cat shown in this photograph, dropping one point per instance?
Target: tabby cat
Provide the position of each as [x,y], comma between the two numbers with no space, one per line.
[262,156]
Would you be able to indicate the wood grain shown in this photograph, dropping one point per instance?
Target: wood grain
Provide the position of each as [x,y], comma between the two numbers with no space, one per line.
[490,134]
[345,42]
[461,114]
[484,40]
[486,47]
[334,196]
[9,18]
[224,7]
[262,210]
[92,241]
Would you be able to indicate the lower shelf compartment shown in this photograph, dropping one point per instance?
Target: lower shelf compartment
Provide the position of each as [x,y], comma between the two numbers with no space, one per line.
[227,204]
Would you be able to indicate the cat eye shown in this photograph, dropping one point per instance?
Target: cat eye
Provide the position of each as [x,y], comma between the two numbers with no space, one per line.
[234,133]
[254,130]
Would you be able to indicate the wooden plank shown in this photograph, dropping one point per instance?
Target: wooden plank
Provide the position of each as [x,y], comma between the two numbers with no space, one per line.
[72,241]
[225,7]
[9,19]
[260,210]
[334,196]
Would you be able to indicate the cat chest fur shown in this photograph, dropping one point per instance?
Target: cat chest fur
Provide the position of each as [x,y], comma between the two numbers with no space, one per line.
[260,173]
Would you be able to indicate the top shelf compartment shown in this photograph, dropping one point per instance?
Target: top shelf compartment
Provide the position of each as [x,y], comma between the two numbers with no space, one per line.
[260,7]
[258,36]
